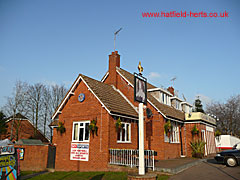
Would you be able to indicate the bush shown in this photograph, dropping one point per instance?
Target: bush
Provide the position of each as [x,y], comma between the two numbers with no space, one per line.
[198,148]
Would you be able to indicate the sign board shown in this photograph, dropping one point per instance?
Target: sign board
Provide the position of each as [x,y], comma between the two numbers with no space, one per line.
[140,89]
[6,150]
[9,163]
[79,152]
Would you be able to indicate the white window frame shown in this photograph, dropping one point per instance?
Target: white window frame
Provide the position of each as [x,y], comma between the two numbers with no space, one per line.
[124,125]
[174,138]
[78,122]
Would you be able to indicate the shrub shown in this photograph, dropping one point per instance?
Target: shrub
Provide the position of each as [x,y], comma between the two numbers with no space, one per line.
[198,148]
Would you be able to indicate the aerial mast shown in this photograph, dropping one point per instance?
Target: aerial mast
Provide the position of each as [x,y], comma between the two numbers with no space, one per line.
[115,34]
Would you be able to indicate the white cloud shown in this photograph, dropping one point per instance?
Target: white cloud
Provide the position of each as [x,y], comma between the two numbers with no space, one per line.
[154,75]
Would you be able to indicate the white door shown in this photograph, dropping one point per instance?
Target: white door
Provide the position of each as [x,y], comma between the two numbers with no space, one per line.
[203,134]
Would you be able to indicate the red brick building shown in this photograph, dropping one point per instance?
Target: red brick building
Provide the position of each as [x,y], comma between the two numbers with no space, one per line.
[21,128]
[112,100]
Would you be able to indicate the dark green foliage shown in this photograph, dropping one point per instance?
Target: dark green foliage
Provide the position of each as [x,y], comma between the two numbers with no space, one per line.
[197,148]
[118,124]
[93,127]
[3,124]
[167,127]
[61,128]
[194,130]
[198,106]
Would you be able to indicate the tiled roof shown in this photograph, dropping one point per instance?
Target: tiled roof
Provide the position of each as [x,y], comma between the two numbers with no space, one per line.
[165,109]
[18,116]
[130,77]
[113,101]
[169,111]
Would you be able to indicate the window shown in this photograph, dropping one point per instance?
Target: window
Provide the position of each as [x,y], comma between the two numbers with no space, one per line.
[124,134]
[175,133]
[80,131]
[177,104]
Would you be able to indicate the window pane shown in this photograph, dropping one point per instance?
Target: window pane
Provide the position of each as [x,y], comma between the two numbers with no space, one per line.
[81,124]
[75,131]
[127,132]
[86,131]
[123,133]
[118,135]
[81,130]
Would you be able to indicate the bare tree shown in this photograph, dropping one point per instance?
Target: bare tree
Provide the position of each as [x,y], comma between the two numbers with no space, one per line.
[35,102]
[228,115]
[16,104]
[53,97]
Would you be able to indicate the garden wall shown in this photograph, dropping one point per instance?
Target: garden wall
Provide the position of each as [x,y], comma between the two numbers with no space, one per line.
[35,157]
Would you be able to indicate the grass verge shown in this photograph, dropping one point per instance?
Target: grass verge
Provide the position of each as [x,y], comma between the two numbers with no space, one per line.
[88,176]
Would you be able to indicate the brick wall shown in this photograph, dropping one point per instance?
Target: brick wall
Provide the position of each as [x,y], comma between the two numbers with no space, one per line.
[153,127]
[75,111]
[35,157]
[25,131]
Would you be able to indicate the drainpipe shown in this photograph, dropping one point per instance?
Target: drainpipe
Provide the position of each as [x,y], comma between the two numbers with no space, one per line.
[181,140]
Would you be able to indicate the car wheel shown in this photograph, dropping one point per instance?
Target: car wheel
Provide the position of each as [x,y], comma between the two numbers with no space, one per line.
[231,161]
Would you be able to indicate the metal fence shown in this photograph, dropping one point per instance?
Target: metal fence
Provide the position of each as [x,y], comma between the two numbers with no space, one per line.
[130,157]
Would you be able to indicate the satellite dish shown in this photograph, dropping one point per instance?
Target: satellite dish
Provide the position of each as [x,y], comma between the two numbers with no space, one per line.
[149,113]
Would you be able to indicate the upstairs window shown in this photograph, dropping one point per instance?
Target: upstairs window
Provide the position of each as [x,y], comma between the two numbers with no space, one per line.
[124,134]
[80,131]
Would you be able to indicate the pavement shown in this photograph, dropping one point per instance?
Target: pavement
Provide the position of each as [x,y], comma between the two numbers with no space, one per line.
[175,166]
[210,170]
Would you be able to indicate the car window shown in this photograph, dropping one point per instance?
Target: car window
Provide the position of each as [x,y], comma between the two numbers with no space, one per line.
[236,146]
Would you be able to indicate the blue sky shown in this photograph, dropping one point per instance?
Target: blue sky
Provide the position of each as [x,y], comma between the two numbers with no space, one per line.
[53,41]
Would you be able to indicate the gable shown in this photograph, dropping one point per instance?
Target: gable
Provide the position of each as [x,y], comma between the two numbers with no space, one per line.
[109,98]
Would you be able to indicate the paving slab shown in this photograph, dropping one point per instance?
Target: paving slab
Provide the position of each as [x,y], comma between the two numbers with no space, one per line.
[174,166]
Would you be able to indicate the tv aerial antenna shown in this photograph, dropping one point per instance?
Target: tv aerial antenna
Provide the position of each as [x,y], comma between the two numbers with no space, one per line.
[173,79]
[115,34]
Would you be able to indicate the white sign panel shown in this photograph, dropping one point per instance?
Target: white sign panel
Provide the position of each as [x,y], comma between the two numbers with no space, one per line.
[6,150]
[209,128]
[79,152]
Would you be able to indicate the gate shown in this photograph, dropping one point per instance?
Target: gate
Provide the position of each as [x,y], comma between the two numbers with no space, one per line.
[51,157]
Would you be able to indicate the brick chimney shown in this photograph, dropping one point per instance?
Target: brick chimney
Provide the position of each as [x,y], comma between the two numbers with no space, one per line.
[171,90]
[114,61]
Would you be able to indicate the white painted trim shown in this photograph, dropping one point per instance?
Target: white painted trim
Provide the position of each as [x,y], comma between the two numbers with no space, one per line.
[130,131]
[95,95]
[113,114]
[184,102]
[20,119]
[156,108]
[71,91]
[135,108]
[125,78]
[77,141]
[147,99]
[175,97]
[67,96]
[171,119]
[104,77]
[201,122]
[160,89]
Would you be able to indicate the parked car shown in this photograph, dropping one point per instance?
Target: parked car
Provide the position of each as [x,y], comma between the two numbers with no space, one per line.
[229,157]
